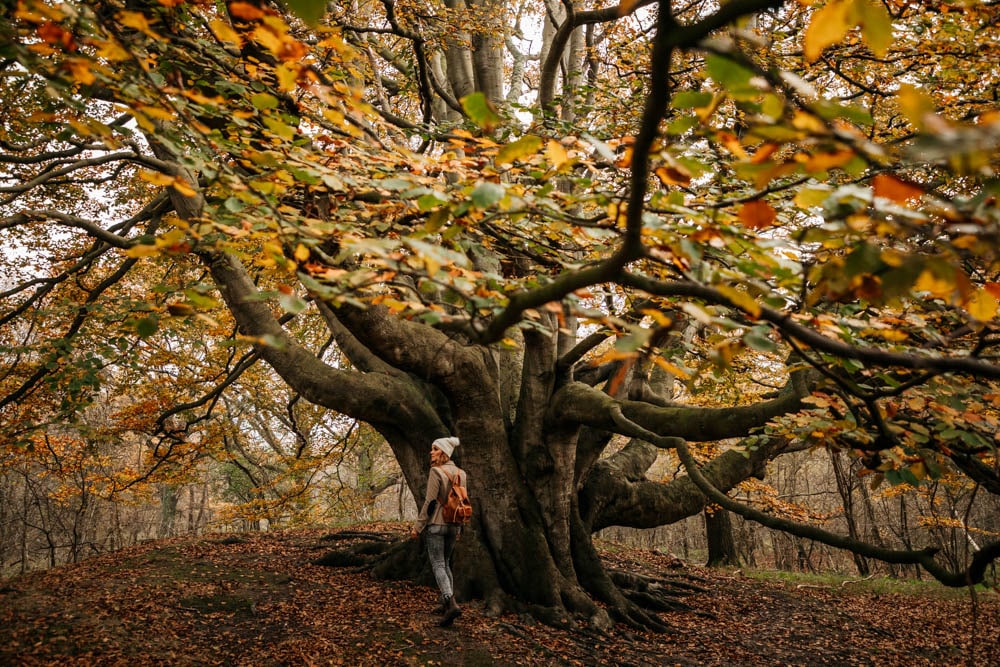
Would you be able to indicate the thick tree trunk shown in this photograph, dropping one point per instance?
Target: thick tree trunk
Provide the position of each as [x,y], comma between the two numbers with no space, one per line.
[524,426]
[719,533]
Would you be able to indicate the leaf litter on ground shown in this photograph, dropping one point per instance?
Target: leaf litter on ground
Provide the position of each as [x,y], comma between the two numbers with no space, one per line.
[259,599]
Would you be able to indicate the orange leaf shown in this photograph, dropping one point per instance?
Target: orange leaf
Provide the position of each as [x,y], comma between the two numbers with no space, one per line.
[764,152]
[895,189]
[54,34]
[825,161]
[757,214]
[732,144]
[673,176]
[245,11]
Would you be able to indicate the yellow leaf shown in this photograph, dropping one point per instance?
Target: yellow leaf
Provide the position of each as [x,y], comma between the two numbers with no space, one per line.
[827,27]
[670,368]
[224,32]
[915,105]
[808,123]
[170,238]
[113,51]
[157,112]
[245,11]
[876,25]
[156,177]
[516,150]
[142,250]
[982,305]
[81,70]
[732,144]
[934,284]
[811,197]
[183,187]
[301,253]
[740,299]
[137,21]
[556,154]
[891,335]
[658,317]
[288,76]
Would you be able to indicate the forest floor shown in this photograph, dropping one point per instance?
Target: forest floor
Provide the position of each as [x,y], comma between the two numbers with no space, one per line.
[257,599]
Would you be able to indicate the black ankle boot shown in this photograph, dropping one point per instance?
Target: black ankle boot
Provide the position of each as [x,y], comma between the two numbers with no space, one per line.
[441,606]
[451,612]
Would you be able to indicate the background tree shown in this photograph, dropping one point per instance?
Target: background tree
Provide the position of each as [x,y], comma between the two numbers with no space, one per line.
[512,273]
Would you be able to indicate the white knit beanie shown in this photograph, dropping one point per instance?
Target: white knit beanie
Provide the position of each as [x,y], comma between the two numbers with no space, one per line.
[446,445]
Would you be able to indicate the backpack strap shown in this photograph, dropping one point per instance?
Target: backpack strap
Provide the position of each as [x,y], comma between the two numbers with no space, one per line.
[450,481]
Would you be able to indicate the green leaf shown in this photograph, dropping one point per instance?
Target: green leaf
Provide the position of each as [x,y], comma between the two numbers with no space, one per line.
[865,259]
[281,129]
[429,202]
[758,339]
[291,304]
[727,72]
[486,194]
[831,110]
[263,101]
[523,147]
[691,99]
[310,11]
[480,111]
[633,341]
[396,184]
[147,326]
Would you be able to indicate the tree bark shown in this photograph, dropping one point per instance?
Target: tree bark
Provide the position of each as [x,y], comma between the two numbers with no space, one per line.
[719,534]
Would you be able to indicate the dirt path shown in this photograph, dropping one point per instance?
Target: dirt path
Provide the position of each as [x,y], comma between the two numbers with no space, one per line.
[258,600]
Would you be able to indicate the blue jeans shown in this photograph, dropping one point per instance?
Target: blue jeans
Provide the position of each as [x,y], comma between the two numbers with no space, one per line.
[440,544]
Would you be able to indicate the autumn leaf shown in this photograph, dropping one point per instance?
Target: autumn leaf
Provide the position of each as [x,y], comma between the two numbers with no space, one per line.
[480,111]
[516,150]
[826,161]
[245,11]
[740,299]
[672,175]
[982,305]
[137,21]
[895,189]
[827,27]
[916,105]
[757,214]
[556,154]
[876,25]
[310,11]
[54,34]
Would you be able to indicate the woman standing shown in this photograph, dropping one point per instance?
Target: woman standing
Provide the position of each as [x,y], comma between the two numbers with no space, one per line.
[441,535]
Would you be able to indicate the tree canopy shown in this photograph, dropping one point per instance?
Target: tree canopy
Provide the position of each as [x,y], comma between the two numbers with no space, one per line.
[536,226]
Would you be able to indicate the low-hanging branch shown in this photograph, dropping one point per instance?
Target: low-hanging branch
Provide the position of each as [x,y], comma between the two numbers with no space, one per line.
[924,557]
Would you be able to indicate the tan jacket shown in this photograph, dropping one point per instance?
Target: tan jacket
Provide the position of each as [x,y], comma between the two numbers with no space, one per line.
[438,487]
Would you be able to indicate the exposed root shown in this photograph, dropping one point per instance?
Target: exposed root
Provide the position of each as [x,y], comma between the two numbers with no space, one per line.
[359,535]
[386,555]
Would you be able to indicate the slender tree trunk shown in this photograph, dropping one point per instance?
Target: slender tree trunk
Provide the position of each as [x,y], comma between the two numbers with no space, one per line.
[846,491]
[168,510]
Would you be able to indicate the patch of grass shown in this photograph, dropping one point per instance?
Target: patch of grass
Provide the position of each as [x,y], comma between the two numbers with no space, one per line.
[875,585]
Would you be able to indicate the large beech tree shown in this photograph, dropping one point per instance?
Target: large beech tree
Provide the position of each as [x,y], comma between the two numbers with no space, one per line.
[537,226]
